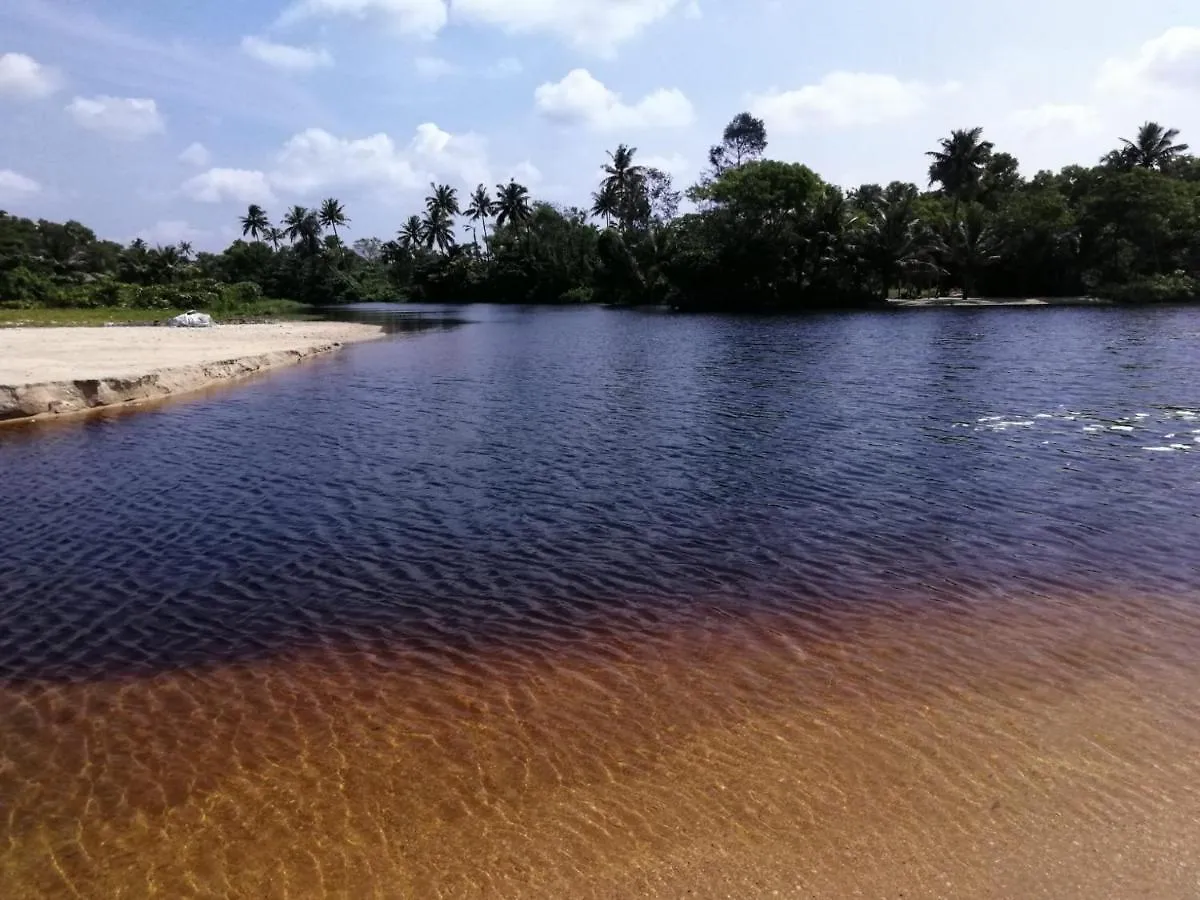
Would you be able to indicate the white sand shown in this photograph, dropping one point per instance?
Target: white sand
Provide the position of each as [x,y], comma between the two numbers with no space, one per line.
[56,371]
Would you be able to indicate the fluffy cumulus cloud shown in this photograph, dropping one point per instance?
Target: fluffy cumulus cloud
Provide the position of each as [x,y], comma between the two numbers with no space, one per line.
[843,100]
[123,118]
[285,56]
[423,18]
[582,99]
[592,25]
[229,185]
[14,185]
[1169,62]
[24,77]
[195,154]
[315,160]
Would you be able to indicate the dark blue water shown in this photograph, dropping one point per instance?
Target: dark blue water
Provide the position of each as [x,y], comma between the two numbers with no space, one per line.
[542,469]
[596,603]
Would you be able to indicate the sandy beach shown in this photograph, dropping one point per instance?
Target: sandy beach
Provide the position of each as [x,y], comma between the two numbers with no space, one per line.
[48,372]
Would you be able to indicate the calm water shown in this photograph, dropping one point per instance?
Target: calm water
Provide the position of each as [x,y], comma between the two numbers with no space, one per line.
[600,603]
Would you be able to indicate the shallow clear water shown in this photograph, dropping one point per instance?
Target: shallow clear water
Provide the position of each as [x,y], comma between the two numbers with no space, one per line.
[599,603]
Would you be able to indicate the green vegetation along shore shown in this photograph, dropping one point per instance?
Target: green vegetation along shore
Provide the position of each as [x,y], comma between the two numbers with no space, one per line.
[758,235]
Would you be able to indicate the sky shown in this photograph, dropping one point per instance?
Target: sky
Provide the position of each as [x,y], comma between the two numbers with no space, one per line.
[164,120]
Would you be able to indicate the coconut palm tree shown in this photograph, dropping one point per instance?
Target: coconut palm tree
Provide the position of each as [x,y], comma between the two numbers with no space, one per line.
[1153,148]
[606,204]
[437,230]
[482,206]
[332,214]
[185,250]
[626,180]
[443,202]
[275,236]
[960,163]
[412,235]
[255,222]
[968,245]
[303,229]
[512,204]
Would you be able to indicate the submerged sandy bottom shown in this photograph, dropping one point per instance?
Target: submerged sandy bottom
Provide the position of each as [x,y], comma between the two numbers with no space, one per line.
[1030,747]
[55,371]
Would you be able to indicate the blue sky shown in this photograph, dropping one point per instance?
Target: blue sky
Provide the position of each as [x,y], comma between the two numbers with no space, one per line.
[164,120]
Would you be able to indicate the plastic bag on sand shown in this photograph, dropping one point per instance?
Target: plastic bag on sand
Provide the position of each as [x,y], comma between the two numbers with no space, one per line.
[192,319]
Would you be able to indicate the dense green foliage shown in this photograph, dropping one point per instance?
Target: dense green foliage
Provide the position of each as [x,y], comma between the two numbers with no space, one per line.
[760,234]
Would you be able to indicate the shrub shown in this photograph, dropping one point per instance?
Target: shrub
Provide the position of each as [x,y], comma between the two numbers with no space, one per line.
[1178,287]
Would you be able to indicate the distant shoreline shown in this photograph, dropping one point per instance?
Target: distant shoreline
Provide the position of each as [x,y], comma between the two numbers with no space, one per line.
[949,302]
[50,373]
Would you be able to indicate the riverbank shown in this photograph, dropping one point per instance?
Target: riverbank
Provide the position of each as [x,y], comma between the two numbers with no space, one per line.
[50,372]
[941,302]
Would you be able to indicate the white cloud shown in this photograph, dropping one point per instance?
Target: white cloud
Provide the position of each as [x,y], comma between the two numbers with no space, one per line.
[524,172]
[1057,118]
[285,56]
[23,76]
[124,118]
[14,185]
[431,68]
[196,155]
[220,185]
[315,160]
[1169,62]
[591,25]
[505,68]
[172,232]
[581,99]
[423,18]
[843,100]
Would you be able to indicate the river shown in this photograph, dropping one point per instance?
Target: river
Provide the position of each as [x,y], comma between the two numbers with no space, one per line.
[596,603]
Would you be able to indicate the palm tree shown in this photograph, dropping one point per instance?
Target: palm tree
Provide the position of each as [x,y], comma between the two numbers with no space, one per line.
[1153,148]
[606,204]
[437,230]
[626,180]
[892,238]
[185,250]
[412,235]
[959,165]
[255,222]
[303,230]
[968,245]
[512,204]
[443,202]
[482,206]
[275,236]
[332,214]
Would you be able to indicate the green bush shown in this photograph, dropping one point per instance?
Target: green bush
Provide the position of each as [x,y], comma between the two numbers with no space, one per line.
[1178,287]
[22,289]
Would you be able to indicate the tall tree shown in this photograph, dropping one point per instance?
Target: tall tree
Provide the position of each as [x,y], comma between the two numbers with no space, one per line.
[332,214]
[606,204]
[481,209]
[437,230]
[744,140]
[1153,148]
[303,229]
[276,236]
[959,164]
[626,179]
[443,202]
[412,234]
[512,204]
[255,222]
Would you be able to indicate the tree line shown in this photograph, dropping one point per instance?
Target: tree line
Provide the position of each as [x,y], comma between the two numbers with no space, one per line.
[758,235]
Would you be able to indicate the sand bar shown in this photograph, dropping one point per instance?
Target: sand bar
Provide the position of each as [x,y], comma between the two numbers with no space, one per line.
[46,372]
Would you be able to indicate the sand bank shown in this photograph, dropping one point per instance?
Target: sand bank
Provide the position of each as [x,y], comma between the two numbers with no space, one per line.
[938,302]
[61,371]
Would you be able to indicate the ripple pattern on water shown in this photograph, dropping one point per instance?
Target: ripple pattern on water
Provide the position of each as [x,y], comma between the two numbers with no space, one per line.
[574,601]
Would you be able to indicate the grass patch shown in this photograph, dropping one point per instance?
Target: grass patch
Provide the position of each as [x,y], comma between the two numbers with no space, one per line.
[103,315]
